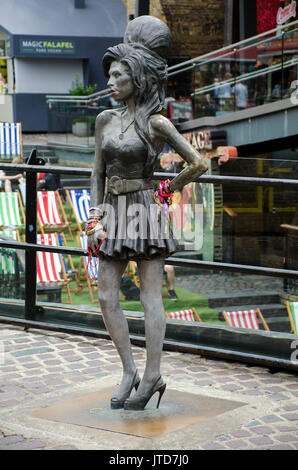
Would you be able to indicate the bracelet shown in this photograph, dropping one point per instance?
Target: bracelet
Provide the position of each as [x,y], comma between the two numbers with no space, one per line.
[95,212]
[92,228]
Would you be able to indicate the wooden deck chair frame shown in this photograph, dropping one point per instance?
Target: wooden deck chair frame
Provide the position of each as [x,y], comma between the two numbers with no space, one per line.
[73,210]
[68,258]
[64,279]
[258,314]
[55,228]
[196,316]
[293,328]
[20,132]
[84,280]
[131,272]
[20,208]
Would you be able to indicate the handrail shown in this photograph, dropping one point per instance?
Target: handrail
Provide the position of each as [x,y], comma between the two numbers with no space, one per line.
[246,76]
[192,62]
[216,179]
[234,45]
[233,49]
[183,262]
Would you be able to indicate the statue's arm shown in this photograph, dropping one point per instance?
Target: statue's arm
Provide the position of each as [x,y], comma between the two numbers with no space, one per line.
[164,130]
[99,169]
[98,177]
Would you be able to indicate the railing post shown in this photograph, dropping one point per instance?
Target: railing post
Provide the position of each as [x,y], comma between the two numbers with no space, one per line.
[31,237]
[282,85]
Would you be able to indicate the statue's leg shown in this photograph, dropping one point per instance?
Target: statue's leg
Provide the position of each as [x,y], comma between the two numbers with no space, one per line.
[151,275]
[109,278]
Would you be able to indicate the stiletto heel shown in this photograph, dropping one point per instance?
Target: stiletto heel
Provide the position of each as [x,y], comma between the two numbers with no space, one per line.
[161,391]
[139,403]
[117,403]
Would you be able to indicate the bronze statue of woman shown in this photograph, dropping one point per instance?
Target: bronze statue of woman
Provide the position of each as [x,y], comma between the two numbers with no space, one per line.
[128,141]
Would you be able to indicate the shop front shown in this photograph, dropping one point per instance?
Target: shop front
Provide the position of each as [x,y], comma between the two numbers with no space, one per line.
[41,56]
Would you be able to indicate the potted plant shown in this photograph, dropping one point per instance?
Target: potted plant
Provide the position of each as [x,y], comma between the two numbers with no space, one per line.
[83,126]
[78,89]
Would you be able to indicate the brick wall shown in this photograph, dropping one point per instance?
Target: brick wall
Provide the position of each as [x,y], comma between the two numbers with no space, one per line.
[197,26]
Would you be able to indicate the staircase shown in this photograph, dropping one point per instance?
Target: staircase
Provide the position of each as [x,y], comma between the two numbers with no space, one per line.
[268,302]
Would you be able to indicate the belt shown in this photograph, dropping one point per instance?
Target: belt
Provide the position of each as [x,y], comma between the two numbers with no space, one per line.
[117,185]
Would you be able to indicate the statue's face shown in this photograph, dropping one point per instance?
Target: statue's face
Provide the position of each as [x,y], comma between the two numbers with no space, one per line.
[120,81]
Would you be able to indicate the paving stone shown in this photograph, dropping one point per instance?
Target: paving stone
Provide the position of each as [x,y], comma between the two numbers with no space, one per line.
[231,387]
[260,441]
[32,365]
[28,445]
[286,428]
[290,407]
[213,446]
[237,444]
[240,433]
[30,352]
[290,416]
[8,403]
[263,430]
[286,437]
[271,419]
[8,440]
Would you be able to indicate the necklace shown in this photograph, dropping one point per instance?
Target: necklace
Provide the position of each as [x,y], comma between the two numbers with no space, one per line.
[121,135]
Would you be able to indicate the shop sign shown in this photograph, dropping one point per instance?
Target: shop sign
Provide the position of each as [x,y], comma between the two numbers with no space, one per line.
[47,46]
[207,139]
[284,14]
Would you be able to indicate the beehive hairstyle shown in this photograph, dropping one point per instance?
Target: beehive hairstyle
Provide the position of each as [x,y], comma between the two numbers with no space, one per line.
[147,43]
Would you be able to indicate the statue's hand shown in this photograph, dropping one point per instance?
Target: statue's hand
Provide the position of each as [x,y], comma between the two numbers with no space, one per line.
[95,238]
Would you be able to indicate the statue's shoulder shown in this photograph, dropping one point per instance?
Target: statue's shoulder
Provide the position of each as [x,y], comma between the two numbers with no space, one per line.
[160,123]
[105,116]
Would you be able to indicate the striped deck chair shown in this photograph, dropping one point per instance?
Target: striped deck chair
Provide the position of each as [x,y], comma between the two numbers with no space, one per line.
[186,315]
[84,280]
[50,266]
[11,144]
[10,267]
[90,266]
[79,200]
[12,212]
[245,319]
[292,308]
[67,260]
[50,213]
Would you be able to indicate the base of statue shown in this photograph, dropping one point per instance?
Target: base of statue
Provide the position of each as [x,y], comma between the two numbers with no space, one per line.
[177,410]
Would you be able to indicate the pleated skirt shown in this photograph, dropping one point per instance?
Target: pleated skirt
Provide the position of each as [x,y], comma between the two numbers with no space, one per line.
[136,228]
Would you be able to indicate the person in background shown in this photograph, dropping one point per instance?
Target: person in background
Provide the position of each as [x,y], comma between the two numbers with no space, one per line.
[51,182]
[9,181]
[170,272]
[241,94]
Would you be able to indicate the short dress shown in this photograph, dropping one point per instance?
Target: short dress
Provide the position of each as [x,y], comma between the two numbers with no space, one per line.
[136,227]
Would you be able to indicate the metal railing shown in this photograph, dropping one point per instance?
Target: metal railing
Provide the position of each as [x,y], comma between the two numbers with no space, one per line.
[30,246]
[247,61]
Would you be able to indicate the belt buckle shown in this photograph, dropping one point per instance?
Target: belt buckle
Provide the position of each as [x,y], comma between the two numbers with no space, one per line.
[116,185]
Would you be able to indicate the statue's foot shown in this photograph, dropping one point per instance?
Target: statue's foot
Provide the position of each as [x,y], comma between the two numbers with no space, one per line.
[126,386]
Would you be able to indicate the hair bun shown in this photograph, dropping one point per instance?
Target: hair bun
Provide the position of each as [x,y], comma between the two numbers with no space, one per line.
[151,32]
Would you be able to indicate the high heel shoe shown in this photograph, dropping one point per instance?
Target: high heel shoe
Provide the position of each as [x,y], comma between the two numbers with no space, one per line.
[139,403]
[117,403]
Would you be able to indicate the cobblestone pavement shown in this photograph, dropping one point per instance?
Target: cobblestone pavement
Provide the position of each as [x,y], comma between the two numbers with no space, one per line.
[37,363]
